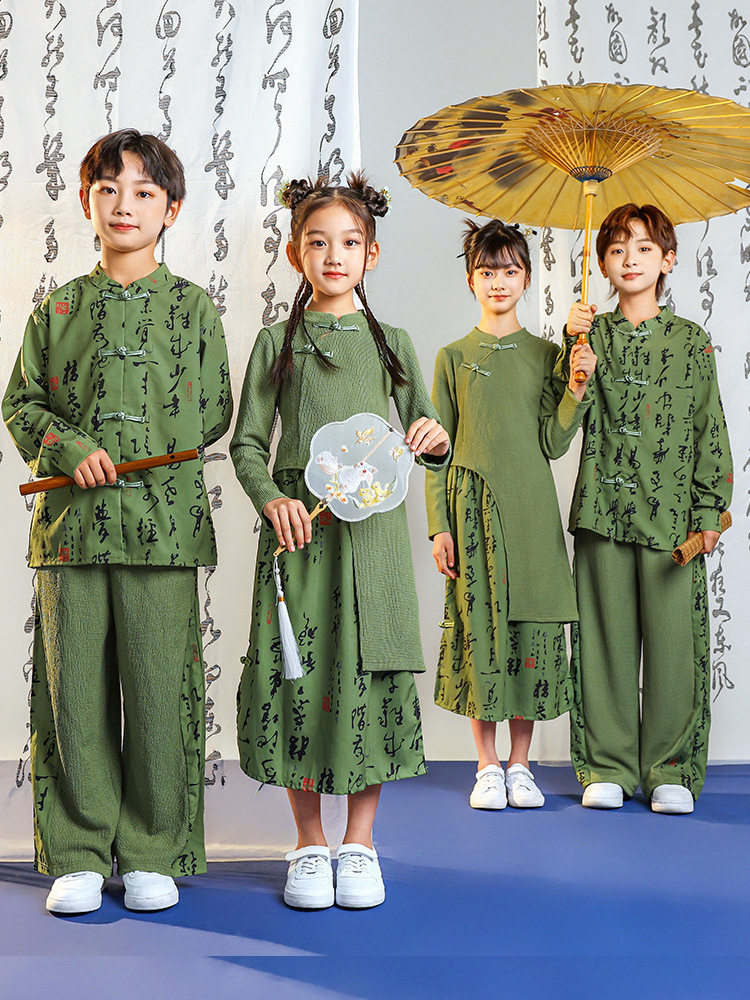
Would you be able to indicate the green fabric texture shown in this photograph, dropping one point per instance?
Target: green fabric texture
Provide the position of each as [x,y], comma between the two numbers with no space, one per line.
[140,371]
[630,597]
[655,462]
[388,621]
[95,799]
[507,416]
[339,728]
[491,668]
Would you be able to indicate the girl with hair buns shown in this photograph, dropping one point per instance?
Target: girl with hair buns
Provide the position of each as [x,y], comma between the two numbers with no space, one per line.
[352,721]
[495,522]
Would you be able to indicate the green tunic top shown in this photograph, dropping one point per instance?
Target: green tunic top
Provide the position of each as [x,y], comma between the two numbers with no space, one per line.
[315,395]
[655,462]
[507,417]
[138,371]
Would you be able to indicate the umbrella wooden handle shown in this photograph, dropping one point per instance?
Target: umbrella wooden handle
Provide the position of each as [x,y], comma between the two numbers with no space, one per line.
[590,188]
[55,482]
[693,546]
[313,514]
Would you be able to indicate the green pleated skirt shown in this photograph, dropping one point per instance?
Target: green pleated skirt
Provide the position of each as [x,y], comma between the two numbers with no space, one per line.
[339,728]
[491,668]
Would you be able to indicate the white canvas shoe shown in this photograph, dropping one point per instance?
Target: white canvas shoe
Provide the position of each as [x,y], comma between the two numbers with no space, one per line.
[675,799]
[602,795]
[149,891]
[359,881]
[309,881]
[79,892]
[489,790]
[521,788]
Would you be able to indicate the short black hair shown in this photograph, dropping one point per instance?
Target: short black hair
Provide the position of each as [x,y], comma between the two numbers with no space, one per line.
[160,163]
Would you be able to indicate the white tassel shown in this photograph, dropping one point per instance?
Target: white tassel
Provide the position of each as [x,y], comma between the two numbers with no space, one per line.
[290,654]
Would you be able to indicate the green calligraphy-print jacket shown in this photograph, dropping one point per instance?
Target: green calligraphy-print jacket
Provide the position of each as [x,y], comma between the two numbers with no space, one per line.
[655,461]
[139,371]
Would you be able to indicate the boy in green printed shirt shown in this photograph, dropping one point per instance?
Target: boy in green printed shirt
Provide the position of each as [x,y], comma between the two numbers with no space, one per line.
[655,468]
[124,363]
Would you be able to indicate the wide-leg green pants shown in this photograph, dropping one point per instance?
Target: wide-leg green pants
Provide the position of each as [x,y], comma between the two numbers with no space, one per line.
[632,599]
[117,721]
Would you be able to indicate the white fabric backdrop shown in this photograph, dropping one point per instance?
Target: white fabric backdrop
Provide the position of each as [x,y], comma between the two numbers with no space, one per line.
[247,92]
[706,47]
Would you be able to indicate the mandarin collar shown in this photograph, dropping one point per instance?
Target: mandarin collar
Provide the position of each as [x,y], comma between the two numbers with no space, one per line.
[327,321]
[156,281]
[659,322]
[477,337]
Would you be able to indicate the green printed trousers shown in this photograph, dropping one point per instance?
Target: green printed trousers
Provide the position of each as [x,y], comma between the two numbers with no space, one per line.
[117,721]
[633,600]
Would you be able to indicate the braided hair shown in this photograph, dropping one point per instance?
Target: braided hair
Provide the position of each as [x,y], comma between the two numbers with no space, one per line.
[495,245]
[304,197]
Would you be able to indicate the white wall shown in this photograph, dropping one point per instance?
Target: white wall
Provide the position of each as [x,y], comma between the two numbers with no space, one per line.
[416,57]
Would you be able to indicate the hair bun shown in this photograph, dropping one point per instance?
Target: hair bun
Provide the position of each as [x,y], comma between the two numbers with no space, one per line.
[295,191]
[377,202]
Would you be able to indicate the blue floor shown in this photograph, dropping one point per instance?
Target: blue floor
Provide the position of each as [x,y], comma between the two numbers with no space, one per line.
[473,897]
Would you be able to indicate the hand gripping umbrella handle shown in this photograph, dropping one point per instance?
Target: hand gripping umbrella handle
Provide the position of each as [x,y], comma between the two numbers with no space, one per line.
[55,482]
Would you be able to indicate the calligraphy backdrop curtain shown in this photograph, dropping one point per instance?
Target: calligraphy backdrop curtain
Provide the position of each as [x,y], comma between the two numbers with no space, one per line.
[706,47]
[247,92]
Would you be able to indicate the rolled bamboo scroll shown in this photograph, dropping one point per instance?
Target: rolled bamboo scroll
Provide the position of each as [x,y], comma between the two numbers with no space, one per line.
[693,546]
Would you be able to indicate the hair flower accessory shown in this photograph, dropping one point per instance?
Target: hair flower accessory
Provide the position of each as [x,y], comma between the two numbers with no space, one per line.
[386,193]
[282,194]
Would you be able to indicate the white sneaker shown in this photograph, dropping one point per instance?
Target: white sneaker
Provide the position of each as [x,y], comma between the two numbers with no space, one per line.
[79,892]
[489,791]
[359,881]
[602,795]
[309,881]
[521,788]
[149,891]
[675,799]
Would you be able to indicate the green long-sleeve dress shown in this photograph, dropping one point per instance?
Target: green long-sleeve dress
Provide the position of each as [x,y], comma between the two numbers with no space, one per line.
[353,719]
[503,650]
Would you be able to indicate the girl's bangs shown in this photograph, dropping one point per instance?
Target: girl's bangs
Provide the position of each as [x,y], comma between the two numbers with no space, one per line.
[502,257]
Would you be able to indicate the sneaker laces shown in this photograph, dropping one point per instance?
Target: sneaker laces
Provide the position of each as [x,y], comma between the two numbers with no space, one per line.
[523,778]
[492,780]
[311,864]
[354,864]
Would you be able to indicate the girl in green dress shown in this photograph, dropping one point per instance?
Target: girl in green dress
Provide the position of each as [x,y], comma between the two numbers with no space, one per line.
[495,522]
[352,721]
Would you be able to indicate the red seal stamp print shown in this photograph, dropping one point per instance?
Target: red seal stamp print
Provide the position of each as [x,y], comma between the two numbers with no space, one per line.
[190,392]
[308,785]
[326,517]
[326,704]
[62,308]
[53,383]
[50,438]
[64,555]
[530,662]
